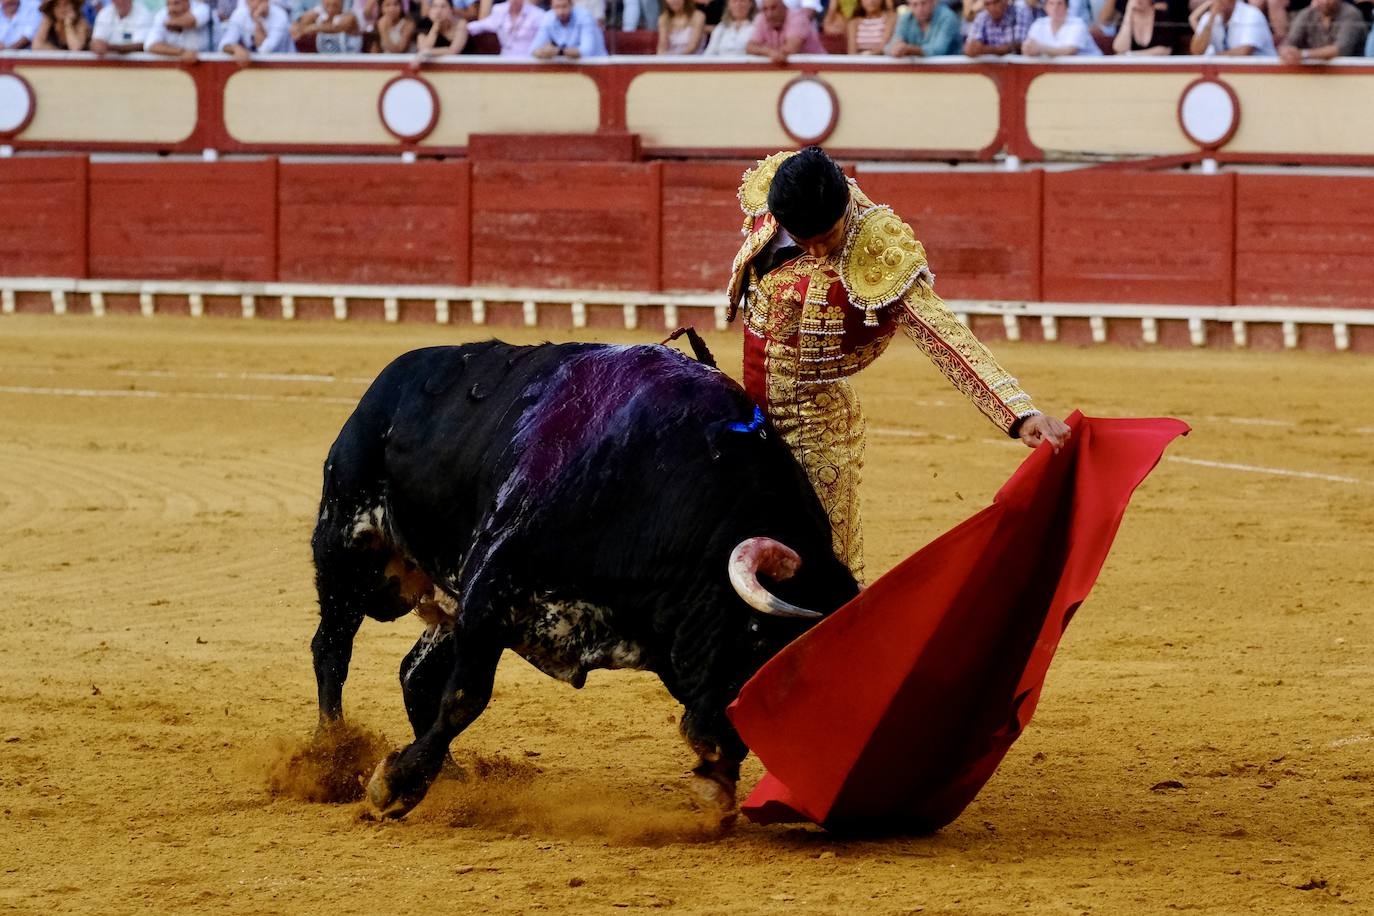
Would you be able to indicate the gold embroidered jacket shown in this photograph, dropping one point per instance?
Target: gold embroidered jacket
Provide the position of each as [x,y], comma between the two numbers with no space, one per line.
[816,320]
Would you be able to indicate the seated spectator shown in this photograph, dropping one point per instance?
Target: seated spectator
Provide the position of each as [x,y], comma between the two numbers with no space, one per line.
[568,31]
[18,24]
[121,27]
[635,10]
[336,31]
[871,29]
[929,29]
[257,27]
[441,31]
[780,32]
[61,27]
[182,29]
[731,37]
[395,31]
[1137,34]
[515,23]
[1275,13]
[1232,29]
[1326,29]
[999,29]
[680,27]
[837,16]
[1057,34]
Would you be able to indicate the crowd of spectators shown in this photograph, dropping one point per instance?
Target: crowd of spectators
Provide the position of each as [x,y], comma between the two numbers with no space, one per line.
[1293,31]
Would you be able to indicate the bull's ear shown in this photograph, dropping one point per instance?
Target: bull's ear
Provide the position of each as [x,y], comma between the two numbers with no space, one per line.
[720,432]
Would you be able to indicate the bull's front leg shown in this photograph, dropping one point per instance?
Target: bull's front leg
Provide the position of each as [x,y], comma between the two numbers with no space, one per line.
[402,779]
[332,650]
[720,751]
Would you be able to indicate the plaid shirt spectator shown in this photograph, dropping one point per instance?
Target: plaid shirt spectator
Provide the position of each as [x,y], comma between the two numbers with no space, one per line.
[1011,29]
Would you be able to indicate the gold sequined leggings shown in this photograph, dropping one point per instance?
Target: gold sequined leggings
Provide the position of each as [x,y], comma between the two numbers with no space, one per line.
[824,427]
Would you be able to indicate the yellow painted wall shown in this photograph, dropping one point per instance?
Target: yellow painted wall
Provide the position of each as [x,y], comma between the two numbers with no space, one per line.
[504,101]
[1320,113]
[340,106]
[881,110]
[1103,112]
[110,104]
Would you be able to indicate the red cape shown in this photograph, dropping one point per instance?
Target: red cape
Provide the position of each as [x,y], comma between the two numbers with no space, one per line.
[895,710]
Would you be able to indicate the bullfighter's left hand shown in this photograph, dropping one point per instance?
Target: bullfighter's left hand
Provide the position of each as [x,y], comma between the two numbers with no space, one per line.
[1041,428]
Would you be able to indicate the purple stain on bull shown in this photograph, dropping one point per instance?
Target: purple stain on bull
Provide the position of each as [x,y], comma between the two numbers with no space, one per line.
[585,506]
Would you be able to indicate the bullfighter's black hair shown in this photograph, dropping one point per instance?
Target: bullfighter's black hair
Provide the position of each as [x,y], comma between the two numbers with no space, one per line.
[809,193]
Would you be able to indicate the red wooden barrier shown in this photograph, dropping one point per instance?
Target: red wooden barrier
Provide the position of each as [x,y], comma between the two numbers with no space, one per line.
[374,223]
[981,230]
[701,223]
[43,220]
[1304,241]
[564,225]
[184,220]
[1138,237]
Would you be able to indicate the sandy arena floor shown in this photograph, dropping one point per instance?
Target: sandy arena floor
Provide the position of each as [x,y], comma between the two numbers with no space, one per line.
[1205,740]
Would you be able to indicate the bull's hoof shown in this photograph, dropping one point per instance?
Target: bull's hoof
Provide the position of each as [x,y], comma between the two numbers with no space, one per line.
[714,801]
[384,797]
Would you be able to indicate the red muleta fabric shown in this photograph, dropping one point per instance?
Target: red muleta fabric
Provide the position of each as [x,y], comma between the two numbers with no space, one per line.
[893,712]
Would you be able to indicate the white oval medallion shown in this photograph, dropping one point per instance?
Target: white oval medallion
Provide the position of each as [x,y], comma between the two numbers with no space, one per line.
[16,103]
[808,109]
[1208,112]
[409,108]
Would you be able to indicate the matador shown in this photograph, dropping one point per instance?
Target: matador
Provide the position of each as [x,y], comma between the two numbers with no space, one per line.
[824,279]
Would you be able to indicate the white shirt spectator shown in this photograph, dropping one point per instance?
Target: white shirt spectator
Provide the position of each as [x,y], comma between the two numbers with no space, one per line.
[197,39]
[112,28]
[239,30]
[21,26]
[1072,34]
[729,39]
[1247,26]
[813,5]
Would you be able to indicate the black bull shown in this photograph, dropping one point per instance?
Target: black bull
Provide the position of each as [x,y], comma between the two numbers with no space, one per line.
[578,504]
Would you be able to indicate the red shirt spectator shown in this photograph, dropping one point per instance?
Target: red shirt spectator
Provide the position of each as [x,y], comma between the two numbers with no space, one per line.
[779,32]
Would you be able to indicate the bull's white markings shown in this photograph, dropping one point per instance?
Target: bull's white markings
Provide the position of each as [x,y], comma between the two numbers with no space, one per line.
[1278,472]
[566,638]
[175,395]
[367,521]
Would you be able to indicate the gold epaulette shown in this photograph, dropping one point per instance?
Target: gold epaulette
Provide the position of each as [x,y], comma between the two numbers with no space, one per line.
[753,190]
[882,260]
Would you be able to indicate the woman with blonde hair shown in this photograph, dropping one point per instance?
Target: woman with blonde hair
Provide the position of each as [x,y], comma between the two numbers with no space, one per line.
[871,29]
[680,27]
[730,38]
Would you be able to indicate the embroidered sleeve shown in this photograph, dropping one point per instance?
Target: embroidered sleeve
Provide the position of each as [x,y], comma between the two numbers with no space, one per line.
[962,357]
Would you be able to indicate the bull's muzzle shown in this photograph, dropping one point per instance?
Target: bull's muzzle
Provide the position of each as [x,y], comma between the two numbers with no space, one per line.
[776,560]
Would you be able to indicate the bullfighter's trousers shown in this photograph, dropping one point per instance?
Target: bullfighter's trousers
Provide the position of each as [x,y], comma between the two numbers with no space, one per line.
[824,427]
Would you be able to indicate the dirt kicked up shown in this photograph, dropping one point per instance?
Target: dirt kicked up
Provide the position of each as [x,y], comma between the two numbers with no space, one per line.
[1205,741]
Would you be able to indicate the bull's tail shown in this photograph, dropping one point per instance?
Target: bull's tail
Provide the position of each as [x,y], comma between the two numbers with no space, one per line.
[699,348]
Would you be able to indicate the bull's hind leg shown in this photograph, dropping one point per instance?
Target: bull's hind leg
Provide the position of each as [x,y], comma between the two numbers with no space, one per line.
[720,751]
[403,778]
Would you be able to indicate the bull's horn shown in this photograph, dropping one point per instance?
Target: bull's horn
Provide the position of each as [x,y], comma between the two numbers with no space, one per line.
[777,560]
